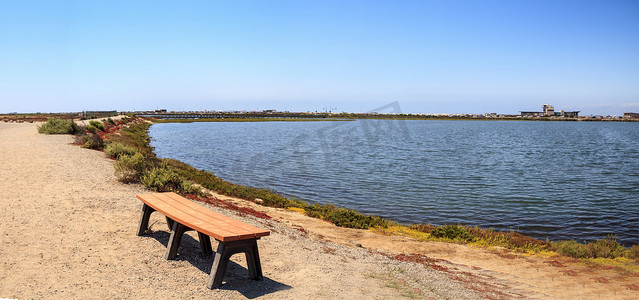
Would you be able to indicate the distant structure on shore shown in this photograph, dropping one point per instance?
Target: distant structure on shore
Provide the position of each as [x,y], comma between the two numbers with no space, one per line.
[93,114]
[630,115]
[549,111]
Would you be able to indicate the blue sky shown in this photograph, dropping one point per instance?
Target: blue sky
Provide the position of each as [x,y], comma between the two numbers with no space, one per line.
[430,56]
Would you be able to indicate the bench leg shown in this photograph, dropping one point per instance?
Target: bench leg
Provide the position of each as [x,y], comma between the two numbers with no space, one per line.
[169,222]
[224,252]
[219,266]
[144,219]
[177,231]
[253,262]
[205,243]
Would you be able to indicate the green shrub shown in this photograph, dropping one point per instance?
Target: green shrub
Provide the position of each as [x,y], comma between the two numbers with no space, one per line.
[427,228]
[129,168]
[344,217]
[135,135]
[115,150]
[571,249]
[93,141]
[91,128]
[633,252]
[605,248]
[89,141]
[511,239]
[214,183]
[58,126]
[97,124]
[166,179]
[81,137]
[110,121]
[453,232]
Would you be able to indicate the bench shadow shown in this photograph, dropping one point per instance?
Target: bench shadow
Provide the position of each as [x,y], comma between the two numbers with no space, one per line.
[236,277]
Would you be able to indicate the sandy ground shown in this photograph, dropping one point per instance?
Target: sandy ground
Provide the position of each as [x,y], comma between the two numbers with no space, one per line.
[68,231]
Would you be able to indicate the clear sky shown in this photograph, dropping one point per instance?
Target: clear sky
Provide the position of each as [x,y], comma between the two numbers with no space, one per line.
[430,56]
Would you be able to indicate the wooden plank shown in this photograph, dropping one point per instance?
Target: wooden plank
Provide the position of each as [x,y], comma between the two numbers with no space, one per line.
[238,224]
[179,216]
[242,229]
[196,211]
[217,232]
[201,218]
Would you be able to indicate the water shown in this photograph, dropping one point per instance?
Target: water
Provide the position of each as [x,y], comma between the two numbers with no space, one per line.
[556,180]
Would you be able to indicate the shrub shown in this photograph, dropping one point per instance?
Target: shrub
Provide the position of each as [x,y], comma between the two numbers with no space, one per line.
[633,252]
[214,183]
[511,240]
[82,129]
[135,136]
[97,124]
[605,248]
[110,121]
[89,141]
[58,126]
[91,128]
[344,217]
[453,232]
[571,249]
[80,138]
[426,228]
[166,179]
[115,150]
[93,141]
[129,168]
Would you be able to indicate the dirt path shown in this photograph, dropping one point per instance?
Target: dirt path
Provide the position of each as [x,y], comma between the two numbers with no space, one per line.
[67,230]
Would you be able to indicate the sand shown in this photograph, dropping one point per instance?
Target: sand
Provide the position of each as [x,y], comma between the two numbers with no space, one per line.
[68,231]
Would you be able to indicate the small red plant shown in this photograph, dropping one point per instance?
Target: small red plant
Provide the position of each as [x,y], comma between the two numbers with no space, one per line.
[602,280]
[555,263]
[301,229]
[230,206]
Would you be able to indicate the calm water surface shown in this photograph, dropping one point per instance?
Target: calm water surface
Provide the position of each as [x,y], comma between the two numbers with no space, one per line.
[556,180]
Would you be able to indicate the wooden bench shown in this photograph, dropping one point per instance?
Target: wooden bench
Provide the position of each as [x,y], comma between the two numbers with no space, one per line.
[183,215]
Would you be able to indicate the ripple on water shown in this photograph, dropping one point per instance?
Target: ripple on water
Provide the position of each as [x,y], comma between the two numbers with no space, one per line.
[557,180]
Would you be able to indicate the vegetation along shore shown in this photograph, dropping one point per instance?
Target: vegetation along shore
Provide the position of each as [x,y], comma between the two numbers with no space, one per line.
[137,163]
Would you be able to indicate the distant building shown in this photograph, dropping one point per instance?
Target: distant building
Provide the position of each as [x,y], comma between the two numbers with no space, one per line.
[549,111]
[531,113]
[630,115]
[570,114]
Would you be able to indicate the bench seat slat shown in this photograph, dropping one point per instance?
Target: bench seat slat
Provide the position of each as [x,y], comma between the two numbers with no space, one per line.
[214,228]
[200,218]
[252,229]
[220,233]
[198,212]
